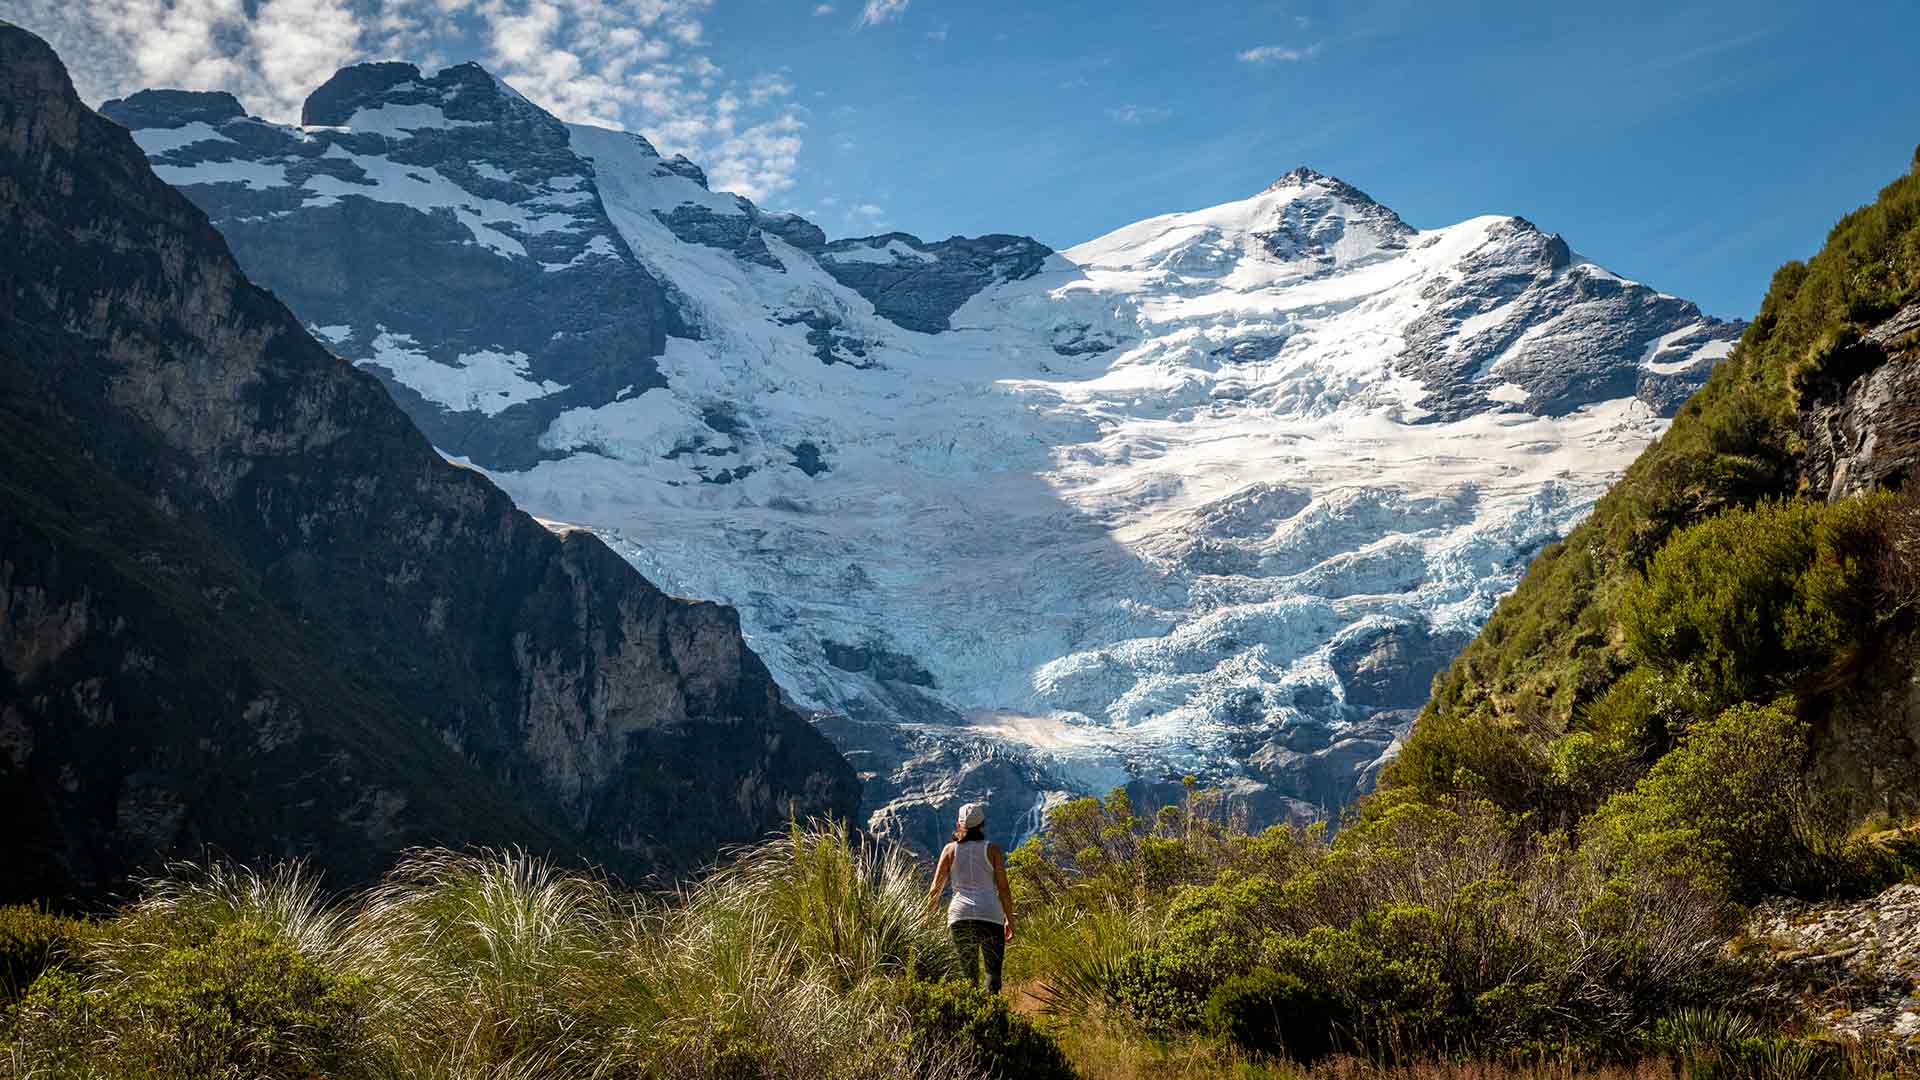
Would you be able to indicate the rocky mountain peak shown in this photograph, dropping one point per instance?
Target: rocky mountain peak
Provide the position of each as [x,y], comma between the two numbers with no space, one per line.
[389,94]
[1304,178]
[1303,175]
[1322,221]
[354,87]
[174,108]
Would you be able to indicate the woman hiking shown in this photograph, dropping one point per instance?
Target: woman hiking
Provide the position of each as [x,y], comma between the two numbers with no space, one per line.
[980,918]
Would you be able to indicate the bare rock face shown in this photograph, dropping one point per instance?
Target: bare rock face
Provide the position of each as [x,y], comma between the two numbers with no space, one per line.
[1860,961]
[1863,426]
[920,285]
[567,319]
[245,606]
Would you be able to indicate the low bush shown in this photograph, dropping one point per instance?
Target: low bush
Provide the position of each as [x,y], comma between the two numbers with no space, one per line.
[1754,603]
[1720,807]
[1388,973]
[1000,1043]
[1161,993]
[1472,755]
[1277,1013]
[244,1004]
[31,941]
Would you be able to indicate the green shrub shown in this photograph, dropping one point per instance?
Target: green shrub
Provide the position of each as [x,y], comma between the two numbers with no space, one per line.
[245,1004]
[1719,808]
[1212,932]
[1388,970]
[1470,754]
[1272,1012]
[1161,993]
[52,1027]
[1003,1044]
[1750,604]
[1218,927]
[31,941]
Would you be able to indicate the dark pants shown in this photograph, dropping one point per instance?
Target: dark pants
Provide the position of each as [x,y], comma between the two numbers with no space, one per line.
[977,939]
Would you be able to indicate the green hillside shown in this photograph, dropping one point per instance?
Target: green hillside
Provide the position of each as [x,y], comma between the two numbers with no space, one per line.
[1707,579]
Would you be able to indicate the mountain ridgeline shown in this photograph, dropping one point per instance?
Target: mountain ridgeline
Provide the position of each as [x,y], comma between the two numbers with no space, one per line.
[1726,650]
[246,608]
[1218,493]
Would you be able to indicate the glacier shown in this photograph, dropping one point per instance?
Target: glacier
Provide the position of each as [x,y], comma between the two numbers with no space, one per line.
[1214,495]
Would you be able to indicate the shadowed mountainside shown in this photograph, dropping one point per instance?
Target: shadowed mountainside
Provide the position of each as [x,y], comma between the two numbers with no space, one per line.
[245,605]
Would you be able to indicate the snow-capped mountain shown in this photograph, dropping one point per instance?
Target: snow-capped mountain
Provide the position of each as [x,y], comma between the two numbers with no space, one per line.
[1214,494]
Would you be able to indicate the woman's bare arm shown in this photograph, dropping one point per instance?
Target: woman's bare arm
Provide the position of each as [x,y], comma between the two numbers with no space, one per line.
[940,875]
[1001,885]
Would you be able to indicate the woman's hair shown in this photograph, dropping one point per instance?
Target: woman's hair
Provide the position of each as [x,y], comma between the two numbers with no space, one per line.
[962,834]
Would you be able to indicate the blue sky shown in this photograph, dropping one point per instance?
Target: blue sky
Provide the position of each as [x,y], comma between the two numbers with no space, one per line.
[1694,146]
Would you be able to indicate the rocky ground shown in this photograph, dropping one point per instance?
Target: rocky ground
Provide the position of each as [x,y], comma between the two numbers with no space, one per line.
[1859,962]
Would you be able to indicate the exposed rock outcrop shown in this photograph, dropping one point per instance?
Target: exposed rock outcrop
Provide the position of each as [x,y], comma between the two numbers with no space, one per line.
[244,604]
[920,285]
[1862,427]
[1859,962]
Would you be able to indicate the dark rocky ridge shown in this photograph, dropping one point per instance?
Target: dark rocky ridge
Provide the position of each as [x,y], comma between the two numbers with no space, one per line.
[579,310]
[1533,278]
[244,604]
[923,293]
[593,328]
[177,108]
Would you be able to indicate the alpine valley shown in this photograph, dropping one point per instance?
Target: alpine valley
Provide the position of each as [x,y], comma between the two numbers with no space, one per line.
[1216,494]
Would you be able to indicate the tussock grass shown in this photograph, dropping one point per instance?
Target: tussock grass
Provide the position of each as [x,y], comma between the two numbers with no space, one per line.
[792,960]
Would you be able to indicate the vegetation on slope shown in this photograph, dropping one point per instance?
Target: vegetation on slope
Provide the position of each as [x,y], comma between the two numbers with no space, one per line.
[1703,582]
[1418,936]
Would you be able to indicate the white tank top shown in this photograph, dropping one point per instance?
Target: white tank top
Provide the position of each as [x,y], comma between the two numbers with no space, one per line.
[974,895]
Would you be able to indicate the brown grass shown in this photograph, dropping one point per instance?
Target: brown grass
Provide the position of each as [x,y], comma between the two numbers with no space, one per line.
[1103,1055]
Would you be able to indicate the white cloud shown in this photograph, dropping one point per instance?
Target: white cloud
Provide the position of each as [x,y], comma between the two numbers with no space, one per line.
[1266,54]
[823,9]
[767,87]
[1139,114]
[866,216]
[936,35]
[759,161]
[878,11]
[639,65]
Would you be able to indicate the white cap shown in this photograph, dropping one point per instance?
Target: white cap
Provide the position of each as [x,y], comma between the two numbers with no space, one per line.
[973,814]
